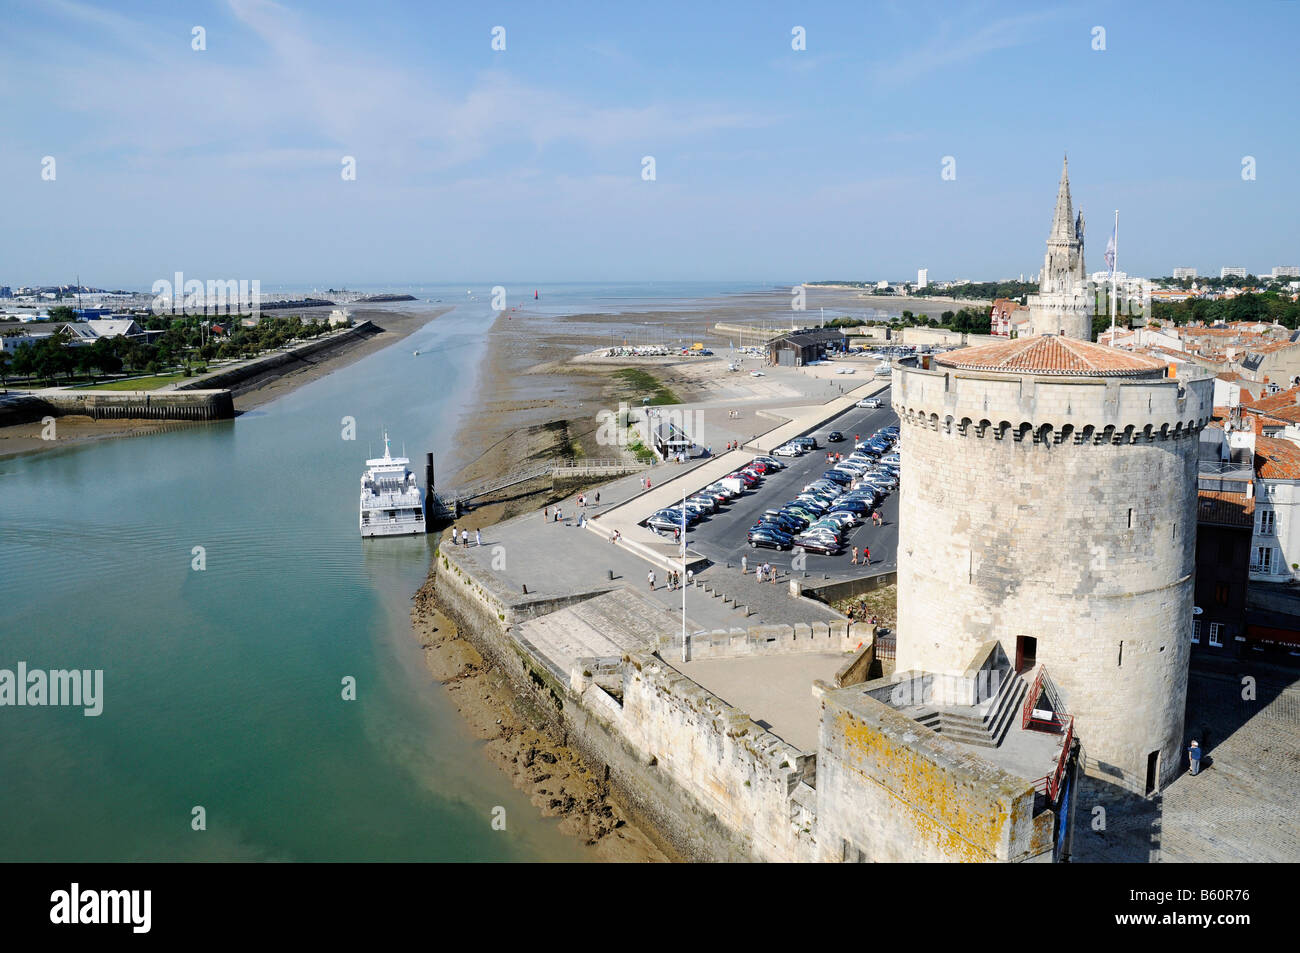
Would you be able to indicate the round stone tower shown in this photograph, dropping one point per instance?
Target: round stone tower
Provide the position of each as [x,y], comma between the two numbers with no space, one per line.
[1048,502]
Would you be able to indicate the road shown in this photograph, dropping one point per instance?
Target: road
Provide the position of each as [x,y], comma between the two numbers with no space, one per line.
[722,537]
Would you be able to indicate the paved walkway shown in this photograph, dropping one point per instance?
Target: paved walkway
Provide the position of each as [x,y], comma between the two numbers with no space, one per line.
[1239,809]
[555,559]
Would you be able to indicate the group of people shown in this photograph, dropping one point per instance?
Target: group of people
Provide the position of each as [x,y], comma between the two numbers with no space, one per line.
[866,553]
[674,579]
[733,444]
[463,539]
[645,483]
[766,572]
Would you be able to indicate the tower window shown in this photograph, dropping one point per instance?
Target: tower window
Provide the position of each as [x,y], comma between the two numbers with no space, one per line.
[1130,517]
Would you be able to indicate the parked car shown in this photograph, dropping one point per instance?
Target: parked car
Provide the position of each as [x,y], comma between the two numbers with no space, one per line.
[769,538]
[815,544]
[772,462]
[808,443]
[871,402]
[789,450]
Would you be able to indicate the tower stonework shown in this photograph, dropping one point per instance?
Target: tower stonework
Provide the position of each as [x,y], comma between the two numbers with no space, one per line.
[1062,305]
[1049,493]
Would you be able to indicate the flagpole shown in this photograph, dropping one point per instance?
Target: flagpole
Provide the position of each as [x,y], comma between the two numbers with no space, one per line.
[1114,265]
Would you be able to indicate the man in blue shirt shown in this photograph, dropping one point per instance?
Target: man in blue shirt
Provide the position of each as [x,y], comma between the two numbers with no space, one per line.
[1194,753]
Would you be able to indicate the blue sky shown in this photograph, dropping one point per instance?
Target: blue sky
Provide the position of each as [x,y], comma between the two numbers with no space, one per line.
[525,165]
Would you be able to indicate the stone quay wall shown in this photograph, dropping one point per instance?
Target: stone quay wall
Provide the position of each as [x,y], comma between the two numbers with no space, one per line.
[705,780]
[124,405]
[1065,511]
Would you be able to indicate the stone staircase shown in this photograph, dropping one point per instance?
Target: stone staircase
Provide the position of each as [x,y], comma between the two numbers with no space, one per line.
[983,725]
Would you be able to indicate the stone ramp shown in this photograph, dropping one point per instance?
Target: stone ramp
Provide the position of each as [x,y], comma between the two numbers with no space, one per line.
[613,624]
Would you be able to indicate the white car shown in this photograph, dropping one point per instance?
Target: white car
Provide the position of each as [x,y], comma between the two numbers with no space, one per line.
[788,450]
[755,373]
[871,402]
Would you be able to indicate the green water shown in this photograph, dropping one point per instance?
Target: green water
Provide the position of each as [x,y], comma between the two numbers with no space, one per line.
[222,687]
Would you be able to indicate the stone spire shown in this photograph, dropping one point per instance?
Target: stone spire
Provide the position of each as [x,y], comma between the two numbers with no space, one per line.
[1063,217]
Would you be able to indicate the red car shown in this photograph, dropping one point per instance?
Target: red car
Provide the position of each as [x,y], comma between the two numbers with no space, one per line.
[758,466]
[749,479]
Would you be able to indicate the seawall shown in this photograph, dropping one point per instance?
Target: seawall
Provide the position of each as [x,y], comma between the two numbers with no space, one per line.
[254,373]
[119,405]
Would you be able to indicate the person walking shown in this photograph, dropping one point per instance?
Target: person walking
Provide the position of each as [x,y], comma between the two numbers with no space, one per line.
[774,575]
[690,576]
[478,537]
[1194,756]
[866,555]
[598,497]
[650,576]
[464,537]
[677,534]
[744,565]
[855,555]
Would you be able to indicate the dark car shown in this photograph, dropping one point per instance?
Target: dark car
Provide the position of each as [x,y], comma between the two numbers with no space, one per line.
[808,443]
[781,524]
[839,476]
[835,436]
[770,538]
[816,544]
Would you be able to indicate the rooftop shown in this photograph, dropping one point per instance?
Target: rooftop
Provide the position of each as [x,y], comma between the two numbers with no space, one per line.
[1226,509]
[1052,354]
[1277,459]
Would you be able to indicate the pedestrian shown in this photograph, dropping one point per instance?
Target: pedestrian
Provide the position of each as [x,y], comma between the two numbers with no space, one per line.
[651,577]
[744,565]
[546,512]
[690,576]
[774,575]
[647,483]
[464,537]
[866,555]
[478,537]
[855,555]
[582,520]
[1194,755]
[598,496]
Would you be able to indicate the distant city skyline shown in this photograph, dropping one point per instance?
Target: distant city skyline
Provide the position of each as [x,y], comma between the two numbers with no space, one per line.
[850,159]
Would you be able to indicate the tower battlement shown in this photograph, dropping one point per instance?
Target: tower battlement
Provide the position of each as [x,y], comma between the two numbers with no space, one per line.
[1054,409]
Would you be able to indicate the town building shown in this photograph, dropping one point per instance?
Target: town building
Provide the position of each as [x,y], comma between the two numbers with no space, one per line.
[1008,317]
[1181,273]
[803,347]
[1233,271]
[922,277]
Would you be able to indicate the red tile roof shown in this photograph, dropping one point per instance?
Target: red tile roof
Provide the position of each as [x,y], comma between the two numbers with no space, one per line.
[1276,459]
[1225,509]
[1052,354]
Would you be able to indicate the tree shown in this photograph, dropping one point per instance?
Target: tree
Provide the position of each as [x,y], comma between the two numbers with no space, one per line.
[5,360]
[62,313]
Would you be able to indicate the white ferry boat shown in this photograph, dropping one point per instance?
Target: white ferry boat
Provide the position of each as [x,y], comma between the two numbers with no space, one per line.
[884,368]
[392,503]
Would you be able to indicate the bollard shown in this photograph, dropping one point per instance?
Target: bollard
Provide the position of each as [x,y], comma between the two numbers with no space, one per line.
[611,574]
[525,589]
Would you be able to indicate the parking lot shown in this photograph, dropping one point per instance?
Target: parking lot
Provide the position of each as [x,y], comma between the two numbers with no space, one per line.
[722,536]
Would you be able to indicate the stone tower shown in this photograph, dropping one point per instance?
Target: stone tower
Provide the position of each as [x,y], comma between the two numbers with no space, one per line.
[1048,502]
[1062,305]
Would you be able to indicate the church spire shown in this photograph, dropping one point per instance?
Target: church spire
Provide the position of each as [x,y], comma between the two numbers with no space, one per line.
[1063,218]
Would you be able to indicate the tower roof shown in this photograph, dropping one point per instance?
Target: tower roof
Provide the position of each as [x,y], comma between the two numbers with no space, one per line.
[1052,354]
[1063,217]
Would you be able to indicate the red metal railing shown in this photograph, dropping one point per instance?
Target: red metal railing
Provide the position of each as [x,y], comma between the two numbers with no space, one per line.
[1051,783]
[1027,712]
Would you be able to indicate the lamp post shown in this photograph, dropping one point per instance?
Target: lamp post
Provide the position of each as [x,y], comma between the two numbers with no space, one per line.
[683,572]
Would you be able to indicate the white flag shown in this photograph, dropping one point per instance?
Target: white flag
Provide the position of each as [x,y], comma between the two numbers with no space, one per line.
[1110,252]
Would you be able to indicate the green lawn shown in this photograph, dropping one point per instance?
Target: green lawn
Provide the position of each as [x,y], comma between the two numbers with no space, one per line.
[137,383]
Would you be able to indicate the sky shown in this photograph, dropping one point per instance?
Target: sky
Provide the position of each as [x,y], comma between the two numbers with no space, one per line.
[771,164]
